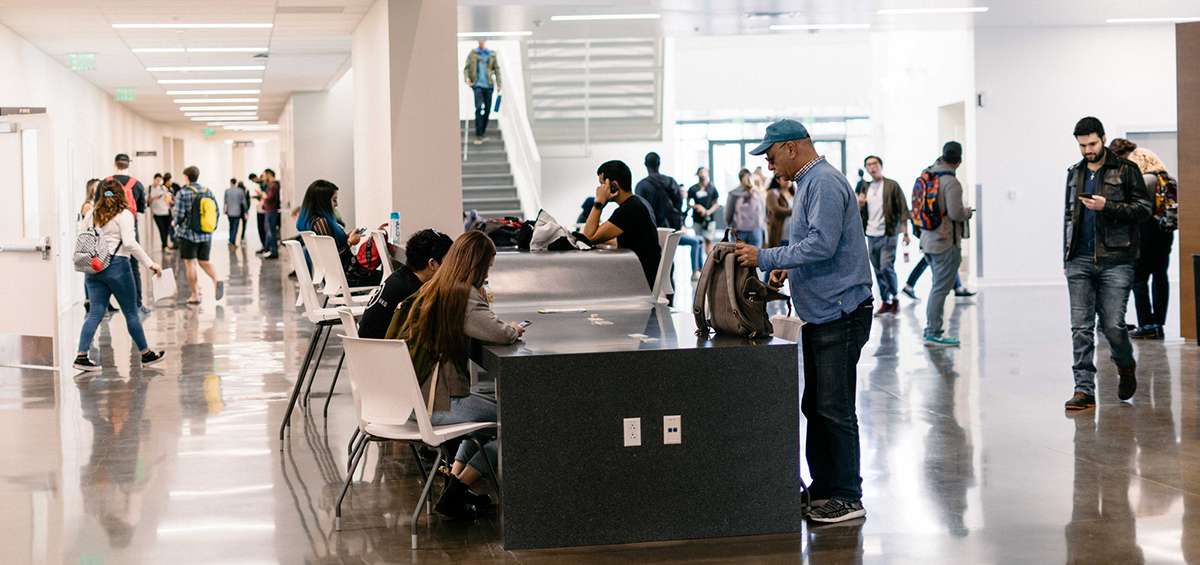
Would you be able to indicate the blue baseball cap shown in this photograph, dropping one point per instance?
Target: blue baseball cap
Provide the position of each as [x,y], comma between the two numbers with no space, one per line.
[783,130]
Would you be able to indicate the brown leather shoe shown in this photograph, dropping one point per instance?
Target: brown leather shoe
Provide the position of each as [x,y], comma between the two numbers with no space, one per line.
[1081,401]
[1128,384]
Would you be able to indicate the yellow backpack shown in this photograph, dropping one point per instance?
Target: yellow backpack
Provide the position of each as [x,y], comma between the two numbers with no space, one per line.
[202,218]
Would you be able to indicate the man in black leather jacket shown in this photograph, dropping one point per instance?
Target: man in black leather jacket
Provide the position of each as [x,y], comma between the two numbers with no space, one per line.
[1106,200]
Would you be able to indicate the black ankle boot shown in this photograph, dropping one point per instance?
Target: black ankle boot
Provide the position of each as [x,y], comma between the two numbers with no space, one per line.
[481,502]
[453,503]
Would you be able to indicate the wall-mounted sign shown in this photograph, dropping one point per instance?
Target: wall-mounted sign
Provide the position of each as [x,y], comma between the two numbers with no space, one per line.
[124,95]
[209,132]
[146,154]
[83,61]
[19,111]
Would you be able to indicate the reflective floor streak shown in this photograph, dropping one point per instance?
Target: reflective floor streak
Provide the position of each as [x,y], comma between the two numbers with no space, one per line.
[967,454]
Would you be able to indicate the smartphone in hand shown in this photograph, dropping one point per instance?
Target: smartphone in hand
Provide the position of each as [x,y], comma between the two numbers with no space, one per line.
[525,324]
[360,231]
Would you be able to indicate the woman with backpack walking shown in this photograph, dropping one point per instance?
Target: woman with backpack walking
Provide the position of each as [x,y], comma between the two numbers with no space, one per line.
[745,211]
[111,216]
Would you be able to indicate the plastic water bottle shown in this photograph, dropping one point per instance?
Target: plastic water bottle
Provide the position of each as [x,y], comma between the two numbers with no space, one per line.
[395,224]
[487,290]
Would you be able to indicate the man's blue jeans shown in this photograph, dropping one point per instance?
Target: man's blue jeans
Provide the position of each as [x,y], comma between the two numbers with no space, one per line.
[472,409]
[882,250]
[944,267]
[830,355]
[483,109]
[115,280]
[233,228]
[753,237]
[1098,288]
[272,226]
[696,252]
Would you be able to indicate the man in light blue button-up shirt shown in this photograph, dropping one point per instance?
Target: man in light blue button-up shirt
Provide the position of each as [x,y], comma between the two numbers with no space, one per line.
[830,280]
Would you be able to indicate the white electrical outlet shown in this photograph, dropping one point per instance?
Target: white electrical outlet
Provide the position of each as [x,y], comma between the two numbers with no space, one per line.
[672,430]
[632,431]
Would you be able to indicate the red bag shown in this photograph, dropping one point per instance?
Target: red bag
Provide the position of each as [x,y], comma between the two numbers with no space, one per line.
[368,258]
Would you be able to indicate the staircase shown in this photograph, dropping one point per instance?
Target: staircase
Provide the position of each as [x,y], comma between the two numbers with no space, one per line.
[488,186]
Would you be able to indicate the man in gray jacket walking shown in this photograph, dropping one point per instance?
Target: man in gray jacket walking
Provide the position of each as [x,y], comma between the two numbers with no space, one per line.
[235,208]
[942,246]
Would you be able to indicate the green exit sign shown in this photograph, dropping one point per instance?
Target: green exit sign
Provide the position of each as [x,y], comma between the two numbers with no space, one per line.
[83,61]
[124,95]
[209,132]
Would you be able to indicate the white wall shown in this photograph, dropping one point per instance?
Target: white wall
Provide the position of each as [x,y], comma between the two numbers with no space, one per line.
[1038,83]
[372,116]
[323,142]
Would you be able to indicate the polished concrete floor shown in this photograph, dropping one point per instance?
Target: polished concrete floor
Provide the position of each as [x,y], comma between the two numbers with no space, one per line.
[968,456]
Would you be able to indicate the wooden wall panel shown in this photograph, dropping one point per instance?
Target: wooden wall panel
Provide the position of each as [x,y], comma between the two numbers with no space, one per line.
[1187,55]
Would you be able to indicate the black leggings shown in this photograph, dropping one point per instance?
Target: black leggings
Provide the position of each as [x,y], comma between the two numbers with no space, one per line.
[164,228]
[1151,298]
[262,229]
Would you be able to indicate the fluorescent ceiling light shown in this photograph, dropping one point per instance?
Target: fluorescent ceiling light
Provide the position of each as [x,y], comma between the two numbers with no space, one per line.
[212,81]
[159,50]
[1151,20]
[215,115]
[212,101]
[593,17]
[196,92]
[234,122]
[243,127]
[228,142]
[492,33]
[219,68]
[226,119]
[227,50]
[963,10]
[211,108]
[192,26]
[819,26]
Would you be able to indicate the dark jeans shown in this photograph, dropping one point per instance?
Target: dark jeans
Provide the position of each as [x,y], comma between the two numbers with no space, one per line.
[697,250]
[1151,300]
[233,228]
[919,269]
[272,241]
[262,229]
[830,353]
[164,228]
[483,109]
[882,251]
[1098,288]
[116,280]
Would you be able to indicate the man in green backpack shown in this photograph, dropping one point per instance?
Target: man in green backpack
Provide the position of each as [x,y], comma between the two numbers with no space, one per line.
[194,233]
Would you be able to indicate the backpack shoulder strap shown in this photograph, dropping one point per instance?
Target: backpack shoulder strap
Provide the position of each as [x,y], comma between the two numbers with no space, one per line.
[129,184]
[700,299]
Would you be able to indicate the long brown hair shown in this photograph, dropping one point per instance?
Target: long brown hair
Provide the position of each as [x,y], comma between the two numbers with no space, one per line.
[437,319]
[110,201]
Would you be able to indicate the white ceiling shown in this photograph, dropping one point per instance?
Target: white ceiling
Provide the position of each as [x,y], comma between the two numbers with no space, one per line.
[307,50]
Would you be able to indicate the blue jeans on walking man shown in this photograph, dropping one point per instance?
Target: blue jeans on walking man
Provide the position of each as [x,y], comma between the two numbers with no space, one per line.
[272,225]
[944,267]
[115,280]
[483,109]
[1097,288]
[882,251]
[233,228]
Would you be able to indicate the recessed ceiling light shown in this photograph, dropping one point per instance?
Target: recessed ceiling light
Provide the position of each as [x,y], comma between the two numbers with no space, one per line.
[228,142]
[192,26]
[818,26]
[215,115]
[226,119]
[228,49]
[197,69]
[593,17]
[1151,20]
[492,33]
[212,108]
[212,101]
[218,92]
[159,50]
[243,127]
[963,10]
[212,81]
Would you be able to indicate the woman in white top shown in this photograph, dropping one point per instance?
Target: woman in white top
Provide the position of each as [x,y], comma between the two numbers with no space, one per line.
[111,214]
[160,205]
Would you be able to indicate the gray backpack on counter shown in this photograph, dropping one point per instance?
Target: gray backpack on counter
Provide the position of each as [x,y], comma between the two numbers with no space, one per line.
[729,297]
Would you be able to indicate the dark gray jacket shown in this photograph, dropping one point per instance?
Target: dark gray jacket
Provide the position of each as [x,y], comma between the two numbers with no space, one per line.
[1128,204]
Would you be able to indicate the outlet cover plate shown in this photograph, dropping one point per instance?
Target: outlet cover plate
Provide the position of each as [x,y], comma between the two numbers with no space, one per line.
[672,430]
[632,432]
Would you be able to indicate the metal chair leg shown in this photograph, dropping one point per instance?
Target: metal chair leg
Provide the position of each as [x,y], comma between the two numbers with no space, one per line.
[316,367]
[350,446]
[287,417]
[420,464]
[421,501]
[361,441]
[341,360]
[491,472]
[337,517]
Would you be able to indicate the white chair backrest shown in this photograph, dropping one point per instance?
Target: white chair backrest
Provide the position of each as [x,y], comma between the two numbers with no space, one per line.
[308,292]
[787,327]
[351,328]
[324,251]
[348,322]
[663,285]
[383,372]
[318,272]
[380,240]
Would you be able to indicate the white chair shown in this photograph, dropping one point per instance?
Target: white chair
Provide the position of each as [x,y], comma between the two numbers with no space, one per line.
[379,238]
[323,250]
[331,293]
[387,395]
[668,240]
[323,318]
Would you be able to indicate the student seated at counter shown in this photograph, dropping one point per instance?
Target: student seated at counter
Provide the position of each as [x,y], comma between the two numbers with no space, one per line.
[632,223]
[439,322]
[423,254]
[318,214]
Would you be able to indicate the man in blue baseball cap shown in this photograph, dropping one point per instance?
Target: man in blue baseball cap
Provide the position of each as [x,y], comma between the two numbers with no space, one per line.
[830,280]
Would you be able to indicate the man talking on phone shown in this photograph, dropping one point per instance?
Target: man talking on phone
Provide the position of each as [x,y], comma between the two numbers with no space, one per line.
[632,223]
[1106,199]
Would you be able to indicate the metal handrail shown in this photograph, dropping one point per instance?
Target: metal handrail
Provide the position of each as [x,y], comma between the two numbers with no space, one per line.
[42,246]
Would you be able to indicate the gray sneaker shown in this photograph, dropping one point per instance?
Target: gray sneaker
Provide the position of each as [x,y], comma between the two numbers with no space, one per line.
[837,511]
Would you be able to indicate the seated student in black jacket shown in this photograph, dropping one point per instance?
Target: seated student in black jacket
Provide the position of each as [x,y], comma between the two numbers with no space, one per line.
[423,253]
[631,224]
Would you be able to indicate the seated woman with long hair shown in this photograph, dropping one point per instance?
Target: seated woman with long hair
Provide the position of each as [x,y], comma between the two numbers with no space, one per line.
[318,215]
[439,322]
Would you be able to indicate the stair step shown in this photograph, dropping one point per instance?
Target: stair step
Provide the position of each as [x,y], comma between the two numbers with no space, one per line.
[490,192]
[490,203]
[490,179]
[485,167]
[501,213]
[486,157]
